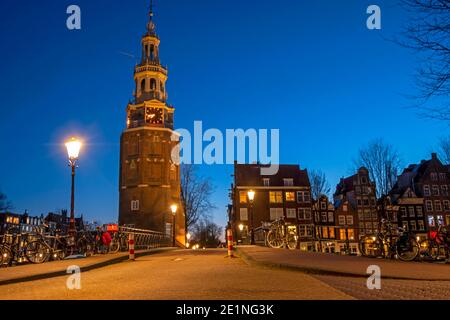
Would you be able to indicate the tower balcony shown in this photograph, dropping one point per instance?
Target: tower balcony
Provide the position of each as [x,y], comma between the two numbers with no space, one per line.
[152,66]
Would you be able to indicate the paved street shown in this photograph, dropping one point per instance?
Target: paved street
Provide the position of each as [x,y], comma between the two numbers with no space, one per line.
[185,274]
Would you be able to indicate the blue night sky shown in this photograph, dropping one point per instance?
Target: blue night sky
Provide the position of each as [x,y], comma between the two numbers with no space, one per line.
[310,68]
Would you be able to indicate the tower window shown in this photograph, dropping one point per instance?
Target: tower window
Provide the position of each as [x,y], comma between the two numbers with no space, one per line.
[143,85]
[152,52]
[152,84]
[134,205]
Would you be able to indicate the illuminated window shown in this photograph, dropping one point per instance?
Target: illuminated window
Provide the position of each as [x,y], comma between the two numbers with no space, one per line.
[242,197]
[276,197]
[325,232]
[290,196]
[332,235]
[421,225]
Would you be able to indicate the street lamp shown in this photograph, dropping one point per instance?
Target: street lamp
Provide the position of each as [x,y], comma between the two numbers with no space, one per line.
[251,198]
[73,150]
[241,227]
[174,209]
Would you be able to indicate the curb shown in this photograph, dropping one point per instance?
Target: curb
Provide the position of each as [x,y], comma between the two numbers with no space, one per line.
[318,271]
[93,266]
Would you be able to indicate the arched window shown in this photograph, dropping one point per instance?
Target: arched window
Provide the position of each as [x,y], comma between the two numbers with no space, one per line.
[152,84]
[143,85]
[152,52]
[162,87]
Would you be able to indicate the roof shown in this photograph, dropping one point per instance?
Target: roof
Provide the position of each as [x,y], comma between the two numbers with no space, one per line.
[250,175]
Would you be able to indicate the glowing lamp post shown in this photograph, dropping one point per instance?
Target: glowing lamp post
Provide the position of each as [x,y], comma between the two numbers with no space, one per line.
[174,209]
[73,150]
[251,198]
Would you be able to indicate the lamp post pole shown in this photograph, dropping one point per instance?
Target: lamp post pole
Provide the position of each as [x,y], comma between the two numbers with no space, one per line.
[251,198]
[174,209]
[72,229]
[73,150]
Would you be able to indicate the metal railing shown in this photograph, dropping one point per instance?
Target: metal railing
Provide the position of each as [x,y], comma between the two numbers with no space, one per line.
[145,239]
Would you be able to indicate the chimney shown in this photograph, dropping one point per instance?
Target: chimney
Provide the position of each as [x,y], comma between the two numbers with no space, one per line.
[434,156]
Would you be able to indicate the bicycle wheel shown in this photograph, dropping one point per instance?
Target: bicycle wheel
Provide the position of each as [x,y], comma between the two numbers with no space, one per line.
[371,247]
[114,247]
[429,250]
[6,256]
[291,240]
[274,239]
[407,248]
[37,252]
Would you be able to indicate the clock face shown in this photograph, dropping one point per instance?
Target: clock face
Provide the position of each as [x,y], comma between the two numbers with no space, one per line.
[154,115]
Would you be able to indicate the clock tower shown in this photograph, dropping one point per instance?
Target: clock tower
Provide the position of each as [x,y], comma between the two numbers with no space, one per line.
[149,181]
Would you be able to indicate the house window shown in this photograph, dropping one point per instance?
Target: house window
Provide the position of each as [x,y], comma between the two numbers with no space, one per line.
[290,196]
[405,225]
[431,221]
[437,205]
[447,220]
[413,225]
[345,208]
[323,205]
[276,213]
[426,191]
[411,212]
[350,220]
[291,213]
[303,196]
[276,197]
[324,232]
[421,225]
[316,216]
[403,212]
[306,230]
[341,220]
[429,205]
[243,214]
[242,197]
[332,234]
[446,205]
[444,190]
[349,233]
[435,190]
[330,217]
[324,217]
[134,205]
[442,176]
[304,213]
[288,182]
[266,182]
[434,176]
[440,220]
[419,211]
[374,215]
[369,226]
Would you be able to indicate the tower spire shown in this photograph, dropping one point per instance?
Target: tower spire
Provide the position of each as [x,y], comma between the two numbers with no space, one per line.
[150,24]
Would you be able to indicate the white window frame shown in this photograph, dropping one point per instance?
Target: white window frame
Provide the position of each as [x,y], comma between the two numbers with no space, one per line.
[243,214]
[288,182]
[134,205]
[291,213]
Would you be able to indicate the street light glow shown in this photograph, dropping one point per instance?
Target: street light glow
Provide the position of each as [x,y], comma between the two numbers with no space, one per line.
[241,227]
[73,148]
[174,208]
[188,236]
[251,195]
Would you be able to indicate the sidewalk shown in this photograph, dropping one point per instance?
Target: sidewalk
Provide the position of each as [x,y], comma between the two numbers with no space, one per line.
[31,272]
[331,264]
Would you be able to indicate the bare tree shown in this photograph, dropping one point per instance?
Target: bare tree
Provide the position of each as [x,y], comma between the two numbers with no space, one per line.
[444,149]
[5,204]
[428,34]
[383,163]
[207,233]
[195,194]
[319,184]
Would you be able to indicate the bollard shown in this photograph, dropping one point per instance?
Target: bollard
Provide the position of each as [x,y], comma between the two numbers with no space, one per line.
[230,243]
[131,246]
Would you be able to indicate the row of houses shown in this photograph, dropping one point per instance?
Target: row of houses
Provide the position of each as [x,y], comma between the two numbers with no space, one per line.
[24,223]
[419,201]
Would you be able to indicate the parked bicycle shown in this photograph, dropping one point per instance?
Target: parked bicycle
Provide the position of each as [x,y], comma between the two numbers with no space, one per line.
[436,246]
[49,247]
[12,246]
[390,242]
[280,236]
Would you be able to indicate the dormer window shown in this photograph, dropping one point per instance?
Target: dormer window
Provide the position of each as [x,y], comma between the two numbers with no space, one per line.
[288,182]
[266,182]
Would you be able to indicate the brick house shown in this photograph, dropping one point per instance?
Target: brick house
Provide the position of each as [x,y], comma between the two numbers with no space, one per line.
[286,194]
[424,190]
[324,222]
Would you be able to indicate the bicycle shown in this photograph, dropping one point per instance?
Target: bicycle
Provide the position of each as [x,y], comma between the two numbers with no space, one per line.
[12,246]
[386,243]
[46,247]
[119,242]
[436,245]
[279,236]
[85,243]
